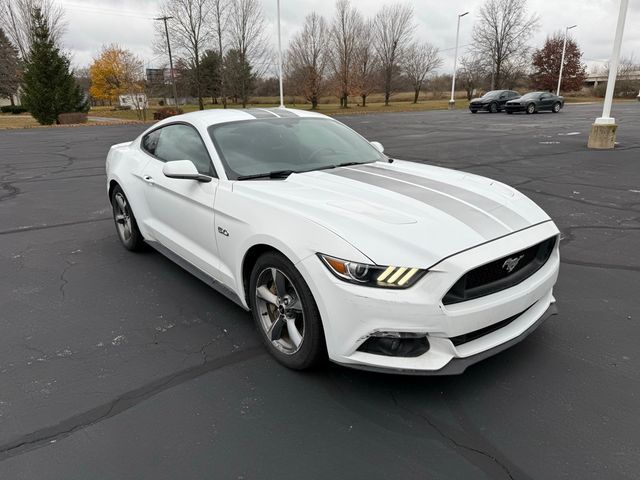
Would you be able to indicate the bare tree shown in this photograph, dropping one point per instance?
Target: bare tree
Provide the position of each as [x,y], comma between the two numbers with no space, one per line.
[367,66]
[220,18]
[418,62]
[247,37]
[472,74]
[190,30]
[16,17]
[393,27]
[501,35]
[307,58]
[345,31]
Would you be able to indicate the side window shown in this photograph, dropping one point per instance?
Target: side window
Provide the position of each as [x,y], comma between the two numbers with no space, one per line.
[182,142]
[150,141]
[513,94]
[503,96]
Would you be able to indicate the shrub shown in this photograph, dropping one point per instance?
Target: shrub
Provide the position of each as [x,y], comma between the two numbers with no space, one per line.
[161,103]
[166,112]
[72,118]
[15,109]
[121,107]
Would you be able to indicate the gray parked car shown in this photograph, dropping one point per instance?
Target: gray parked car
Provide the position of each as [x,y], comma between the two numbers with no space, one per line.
[535,102]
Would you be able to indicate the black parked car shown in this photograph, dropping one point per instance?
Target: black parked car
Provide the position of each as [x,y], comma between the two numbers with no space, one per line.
[492,101]
[535,102]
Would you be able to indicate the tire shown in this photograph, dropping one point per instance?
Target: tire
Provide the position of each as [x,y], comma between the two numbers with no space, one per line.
[126,225]
[289,323]
[474,111]
[556,107]
[509,112]
[493,108]
[531,108]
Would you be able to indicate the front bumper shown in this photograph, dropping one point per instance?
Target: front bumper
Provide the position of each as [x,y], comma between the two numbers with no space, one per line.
[479,106]
[515,108]
[352,314]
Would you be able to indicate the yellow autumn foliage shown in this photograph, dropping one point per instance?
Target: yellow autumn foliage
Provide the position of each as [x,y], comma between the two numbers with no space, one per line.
[116,71]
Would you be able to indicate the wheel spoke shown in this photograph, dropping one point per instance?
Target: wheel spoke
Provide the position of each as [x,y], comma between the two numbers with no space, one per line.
[265,294]
[120,218]
[295,305]
[122,205]
[275,331]
[279,281]
[127,231]
[294,334]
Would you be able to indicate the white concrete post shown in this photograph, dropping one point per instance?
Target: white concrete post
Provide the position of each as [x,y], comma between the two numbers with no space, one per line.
[606,119]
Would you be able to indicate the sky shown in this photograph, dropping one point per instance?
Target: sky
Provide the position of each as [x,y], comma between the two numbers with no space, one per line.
[93,23]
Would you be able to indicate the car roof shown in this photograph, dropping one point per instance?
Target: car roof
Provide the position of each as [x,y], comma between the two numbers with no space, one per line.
[207,118]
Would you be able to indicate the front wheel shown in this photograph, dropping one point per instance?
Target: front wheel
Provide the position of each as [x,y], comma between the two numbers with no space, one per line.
[285,313]
[556,107]
[509,112]
[531,108]
[125,221]
[474,111]
[493,108]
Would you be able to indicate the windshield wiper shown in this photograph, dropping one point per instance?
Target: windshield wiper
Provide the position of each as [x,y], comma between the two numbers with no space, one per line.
[274,174]
[345,164]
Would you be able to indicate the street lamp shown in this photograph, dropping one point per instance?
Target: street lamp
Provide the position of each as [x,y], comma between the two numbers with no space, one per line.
[452,102]
[564,49]
[603,131]
[280,59]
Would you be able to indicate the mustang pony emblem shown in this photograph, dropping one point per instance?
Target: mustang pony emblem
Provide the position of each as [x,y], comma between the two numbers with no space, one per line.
[511,263]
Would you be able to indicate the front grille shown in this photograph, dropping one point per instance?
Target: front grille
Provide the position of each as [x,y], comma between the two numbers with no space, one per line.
[468,337]
[495,276]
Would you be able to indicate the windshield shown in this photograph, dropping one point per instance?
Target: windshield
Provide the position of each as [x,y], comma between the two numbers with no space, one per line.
[491,94]
[532,95]
[256,147]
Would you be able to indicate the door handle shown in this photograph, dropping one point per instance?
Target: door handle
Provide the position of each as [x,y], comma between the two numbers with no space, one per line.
[148,179]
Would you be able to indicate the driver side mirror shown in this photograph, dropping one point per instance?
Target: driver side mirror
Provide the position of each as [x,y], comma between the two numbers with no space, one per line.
[184,170]
[378,146]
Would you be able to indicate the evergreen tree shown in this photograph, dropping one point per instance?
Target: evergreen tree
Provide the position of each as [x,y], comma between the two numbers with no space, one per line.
[9,68]
[49,86]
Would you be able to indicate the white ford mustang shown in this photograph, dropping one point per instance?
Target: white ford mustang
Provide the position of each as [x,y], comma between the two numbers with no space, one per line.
[337,249]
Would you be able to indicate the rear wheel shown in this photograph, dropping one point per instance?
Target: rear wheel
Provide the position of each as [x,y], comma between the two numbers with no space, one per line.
[493,108]
[285,313]
[556,107]
[125,221]
[531,108]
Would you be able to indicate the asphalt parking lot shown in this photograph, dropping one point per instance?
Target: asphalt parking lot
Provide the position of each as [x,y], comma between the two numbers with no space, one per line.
[122,366]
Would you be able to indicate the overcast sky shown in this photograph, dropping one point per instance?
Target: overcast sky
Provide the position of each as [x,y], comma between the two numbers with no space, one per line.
[93,23]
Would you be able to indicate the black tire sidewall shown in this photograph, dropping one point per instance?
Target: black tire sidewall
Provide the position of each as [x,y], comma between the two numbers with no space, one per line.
[313,350]
[136,242]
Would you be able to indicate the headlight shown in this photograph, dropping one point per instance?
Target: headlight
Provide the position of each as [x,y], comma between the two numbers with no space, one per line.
[372,275]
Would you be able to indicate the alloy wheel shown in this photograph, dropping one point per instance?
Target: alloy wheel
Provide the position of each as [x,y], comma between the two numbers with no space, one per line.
[280,310]
[122,216]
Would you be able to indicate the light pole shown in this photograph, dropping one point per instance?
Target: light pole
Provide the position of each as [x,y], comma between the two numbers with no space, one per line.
[603,131]
[564,49]
[452,102]
[173,80]
[280,59]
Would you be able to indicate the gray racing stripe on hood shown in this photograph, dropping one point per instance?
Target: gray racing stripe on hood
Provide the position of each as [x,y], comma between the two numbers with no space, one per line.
[483,223]
[507,216]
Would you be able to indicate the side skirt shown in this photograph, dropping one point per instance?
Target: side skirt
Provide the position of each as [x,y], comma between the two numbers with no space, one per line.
[199,274]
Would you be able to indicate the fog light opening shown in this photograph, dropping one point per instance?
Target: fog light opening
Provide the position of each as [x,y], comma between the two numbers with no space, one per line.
[396,344]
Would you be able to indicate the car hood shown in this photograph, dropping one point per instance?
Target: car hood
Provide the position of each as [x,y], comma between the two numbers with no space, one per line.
[403,213]
[479,100]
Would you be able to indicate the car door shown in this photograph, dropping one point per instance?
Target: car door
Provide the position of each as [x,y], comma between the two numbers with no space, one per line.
[546,101]
[502,99]
[181,213]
